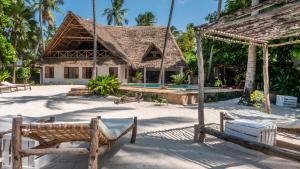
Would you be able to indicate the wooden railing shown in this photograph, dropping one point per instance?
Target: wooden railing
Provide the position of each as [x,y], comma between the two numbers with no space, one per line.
[85,54]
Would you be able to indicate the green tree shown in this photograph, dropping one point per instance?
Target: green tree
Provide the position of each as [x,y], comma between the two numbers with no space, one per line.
[46,17]
[7,52]
[116,14]
[22,23]
[146,19]
[186,41]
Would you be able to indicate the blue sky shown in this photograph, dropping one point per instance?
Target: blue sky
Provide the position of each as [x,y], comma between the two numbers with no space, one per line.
[185,11]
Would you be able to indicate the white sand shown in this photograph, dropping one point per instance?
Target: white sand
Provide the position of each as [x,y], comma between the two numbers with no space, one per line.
[165,133]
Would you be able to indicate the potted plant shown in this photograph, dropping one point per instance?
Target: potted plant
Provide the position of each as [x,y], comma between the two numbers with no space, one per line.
[137,77]
[178,79]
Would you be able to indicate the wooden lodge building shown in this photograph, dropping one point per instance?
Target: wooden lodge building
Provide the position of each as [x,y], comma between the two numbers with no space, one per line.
[121,51]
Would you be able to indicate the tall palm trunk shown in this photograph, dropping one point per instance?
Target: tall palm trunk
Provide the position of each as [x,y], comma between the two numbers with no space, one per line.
[95,41]
[251,66]
[162,69]
[212,47]
[41,26]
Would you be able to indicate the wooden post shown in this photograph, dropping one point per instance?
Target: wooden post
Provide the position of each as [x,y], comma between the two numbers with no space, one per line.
[266,79]
[222,115]
[134,131]
[16,142]
[145,76]
[200,137]
[93,157]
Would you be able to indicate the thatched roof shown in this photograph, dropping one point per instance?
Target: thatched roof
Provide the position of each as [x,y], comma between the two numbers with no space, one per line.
[276,19]
[127,43]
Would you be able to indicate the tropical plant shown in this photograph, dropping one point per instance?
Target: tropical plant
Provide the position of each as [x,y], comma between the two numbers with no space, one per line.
[160,100]
[257,99]
[146,19]
[218,83]
[178,79]
[23,74]
[4,75]
[137,77]
[23,22]
[104,85]
[116,15]
[46,17]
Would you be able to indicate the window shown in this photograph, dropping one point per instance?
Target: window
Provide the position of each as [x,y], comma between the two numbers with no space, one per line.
[113,71]
[71,72]
[154,54]
[87,72]
[49,72]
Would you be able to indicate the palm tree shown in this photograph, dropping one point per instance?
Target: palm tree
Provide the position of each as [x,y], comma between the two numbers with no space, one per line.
[116,14]
[46,17]
[162,70]
[251,67]
[95,41]
[146,19]
[23,23]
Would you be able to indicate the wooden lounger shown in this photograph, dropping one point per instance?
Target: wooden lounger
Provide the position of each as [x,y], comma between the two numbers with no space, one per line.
[16,86]
[101,136]
[5,88]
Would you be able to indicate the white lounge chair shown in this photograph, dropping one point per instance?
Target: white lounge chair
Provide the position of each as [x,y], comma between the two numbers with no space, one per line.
[16,86]
[101,134]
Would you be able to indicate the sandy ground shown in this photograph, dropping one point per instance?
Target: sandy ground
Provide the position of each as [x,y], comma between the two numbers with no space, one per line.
[165,133]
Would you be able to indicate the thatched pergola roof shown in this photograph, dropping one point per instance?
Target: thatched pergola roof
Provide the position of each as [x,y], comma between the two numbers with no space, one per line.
[130,44]
[276,19]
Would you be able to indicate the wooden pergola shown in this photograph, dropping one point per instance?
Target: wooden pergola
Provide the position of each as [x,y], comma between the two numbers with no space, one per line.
[275,19]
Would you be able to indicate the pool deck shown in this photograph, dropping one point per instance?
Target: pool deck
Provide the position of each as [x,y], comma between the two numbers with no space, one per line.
[179,96]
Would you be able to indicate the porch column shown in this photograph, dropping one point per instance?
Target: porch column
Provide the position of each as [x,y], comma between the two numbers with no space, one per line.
[145,76]
[266,79]
[181,70]
[199,134]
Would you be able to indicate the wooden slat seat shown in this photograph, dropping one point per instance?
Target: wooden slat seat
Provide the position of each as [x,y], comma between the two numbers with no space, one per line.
[100,133]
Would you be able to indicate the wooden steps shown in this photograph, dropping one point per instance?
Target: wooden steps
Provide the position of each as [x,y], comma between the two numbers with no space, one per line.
[79,91]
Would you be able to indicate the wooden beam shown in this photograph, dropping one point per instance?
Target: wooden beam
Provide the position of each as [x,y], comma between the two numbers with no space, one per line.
[16,143]
[264,148]
[199,135]
[285,43]
[134,131]
[44,151]
[77,37]
[94,132]
[266,79]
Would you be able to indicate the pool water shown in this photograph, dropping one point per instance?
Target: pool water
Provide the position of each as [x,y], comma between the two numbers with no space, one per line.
[154,85]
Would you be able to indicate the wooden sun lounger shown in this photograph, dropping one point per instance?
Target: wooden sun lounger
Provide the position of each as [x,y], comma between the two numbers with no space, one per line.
[5,88]
[49,135]
[16,86]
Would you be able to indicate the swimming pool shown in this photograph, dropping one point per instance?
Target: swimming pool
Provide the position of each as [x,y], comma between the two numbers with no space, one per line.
[155,85]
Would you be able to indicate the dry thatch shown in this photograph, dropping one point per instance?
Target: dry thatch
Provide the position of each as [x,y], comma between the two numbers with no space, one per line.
[129,44]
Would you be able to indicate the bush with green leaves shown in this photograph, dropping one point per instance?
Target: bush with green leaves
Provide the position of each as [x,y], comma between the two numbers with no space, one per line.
[4,75]
[137,77]
[178,79]
[257,98]
[23,74]
[218,83]
[104,85]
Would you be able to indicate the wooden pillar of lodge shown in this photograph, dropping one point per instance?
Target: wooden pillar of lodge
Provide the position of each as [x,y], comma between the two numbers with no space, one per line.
[145,76]
[266,79]
[199,134]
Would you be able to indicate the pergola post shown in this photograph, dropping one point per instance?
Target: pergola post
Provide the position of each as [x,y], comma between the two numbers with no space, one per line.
[266,79]
[145,76]
[199,134]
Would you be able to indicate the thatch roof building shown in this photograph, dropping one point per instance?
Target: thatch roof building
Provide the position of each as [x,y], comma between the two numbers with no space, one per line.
[121,50]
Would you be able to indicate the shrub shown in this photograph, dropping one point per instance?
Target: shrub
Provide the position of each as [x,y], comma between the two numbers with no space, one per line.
[104,85]
[218,83]
[257,98]
[23,74]
[137,77]
[4,75]
[178,79]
